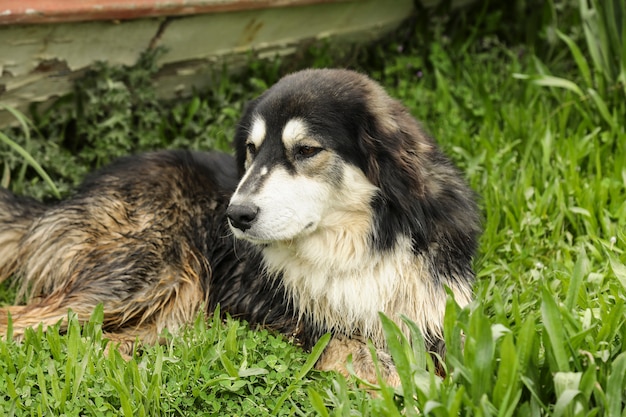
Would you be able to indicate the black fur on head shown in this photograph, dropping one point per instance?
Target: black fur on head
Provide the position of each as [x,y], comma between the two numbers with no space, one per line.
[241,135]
[422,194]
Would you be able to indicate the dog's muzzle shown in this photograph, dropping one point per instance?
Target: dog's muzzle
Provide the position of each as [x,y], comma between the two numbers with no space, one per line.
[242,216]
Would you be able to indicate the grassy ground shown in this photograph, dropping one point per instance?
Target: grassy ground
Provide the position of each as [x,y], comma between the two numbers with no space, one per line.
[533,113]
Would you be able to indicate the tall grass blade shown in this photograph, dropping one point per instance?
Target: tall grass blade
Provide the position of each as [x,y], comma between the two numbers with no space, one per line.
[615,386]
[398,347]
[26,126]
[402,355]
[608,25]
[566,403]
[566,385]
[31,161]
[480,353]
[41,380]
[589,19]
[580,271]
[230,343]
[229,366]
[315,354]
[558,82]
[317,402]
[580,59]
[452,333]
[619,269]
[506,390]
[418,344]
[622,51]
[602,108]
[24,122]
[553,326]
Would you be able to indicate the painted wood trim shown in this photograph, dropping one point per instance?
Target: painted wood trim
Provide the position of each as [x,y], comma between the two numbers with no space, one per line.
[55,11]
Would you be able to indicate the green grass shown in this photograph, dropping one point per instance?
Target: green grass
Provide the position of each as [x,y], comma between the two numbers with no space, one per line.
[536,121]
[222,369]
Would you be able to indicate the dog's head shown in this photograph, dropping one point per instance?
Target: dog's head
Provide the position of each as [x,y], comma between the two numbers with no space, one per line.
[329,146]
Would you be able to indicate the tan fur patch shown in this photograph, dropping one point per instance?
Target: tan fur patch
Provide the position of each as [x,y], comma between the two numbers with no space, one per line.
[338,351]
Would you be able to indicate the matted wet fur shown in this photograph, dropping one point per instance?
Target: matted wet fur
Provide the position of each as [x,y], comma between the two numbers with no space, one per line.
[345,208]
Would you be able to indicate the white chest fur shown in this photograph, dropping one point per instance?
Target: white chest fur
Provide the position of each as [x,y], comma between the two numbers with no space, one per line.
[344,287]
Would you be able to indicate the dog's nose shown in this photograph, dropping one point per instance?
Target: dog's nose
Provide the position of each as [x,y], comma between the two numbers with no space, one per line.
[242,216]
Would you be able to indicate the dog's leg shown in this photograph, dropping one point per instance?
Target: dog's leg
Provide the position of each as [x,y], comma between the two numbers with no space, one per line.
[125,340]
[171,302]
[44,313]
[47,315]
[23,317]
[336,354]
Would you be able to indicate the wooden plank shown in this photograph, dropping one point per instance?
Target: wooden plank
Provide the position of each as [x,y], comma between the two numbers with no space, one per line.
[39,62]
[55,11]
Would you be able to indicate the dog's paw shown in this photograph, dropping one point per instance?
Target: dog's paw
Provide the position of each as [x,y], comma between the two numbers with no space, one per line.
[336,354]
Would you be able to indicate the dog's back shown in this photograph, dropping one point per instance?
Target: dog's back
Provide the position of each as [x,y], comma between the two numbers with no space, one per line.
[16,216]
[147,237]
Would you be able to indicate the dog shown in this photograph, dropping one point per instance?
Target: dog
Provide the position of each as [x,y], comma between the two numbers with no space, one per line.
[336,206]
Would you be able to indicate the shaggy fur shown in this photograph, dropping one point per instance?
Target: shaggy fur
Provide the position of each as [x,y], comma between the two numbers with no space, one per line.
[337,206]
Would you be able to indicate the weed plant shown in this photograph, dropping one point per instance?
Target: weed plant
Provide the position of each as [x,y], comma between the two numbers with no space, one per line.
[529,101]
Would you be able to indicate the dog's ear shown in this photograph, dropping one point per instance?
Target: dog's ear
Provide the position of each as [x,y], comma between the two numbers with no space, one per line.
[241,135]
[397,150]
[422,194]
[391,149]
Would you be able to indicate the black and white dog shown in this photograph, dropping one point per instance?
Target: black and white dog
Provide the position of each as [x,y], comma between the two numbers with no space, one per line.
[337,207]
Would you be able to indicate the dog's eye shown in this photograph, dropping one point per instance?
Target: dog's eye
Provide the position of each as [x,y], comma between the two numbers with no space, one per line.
[307,151]
[251,148]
